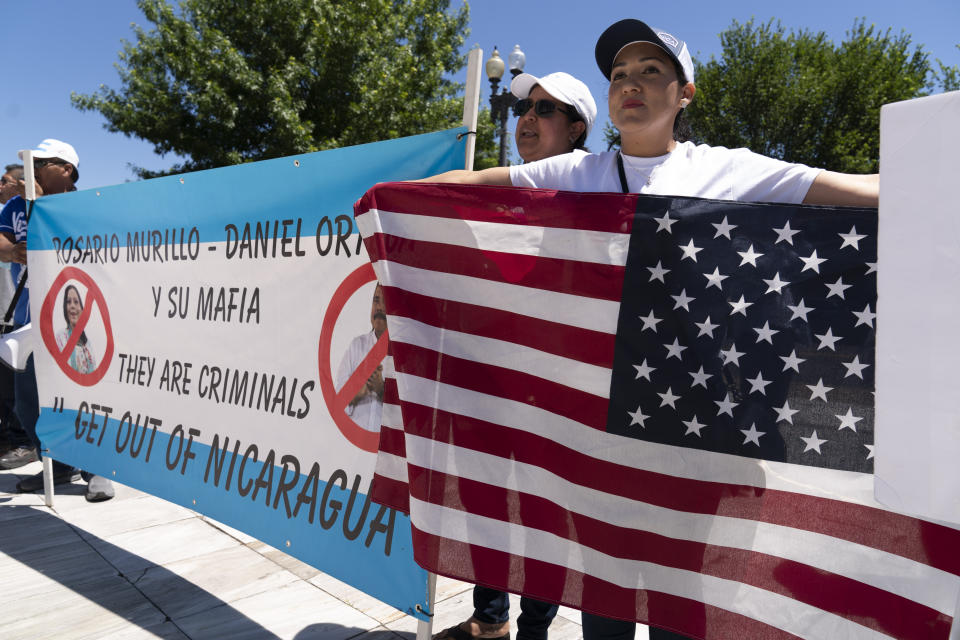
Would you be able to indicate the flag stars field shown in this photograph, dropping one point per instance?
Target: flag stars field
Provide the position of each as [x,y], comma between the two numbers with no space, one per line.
[821,298]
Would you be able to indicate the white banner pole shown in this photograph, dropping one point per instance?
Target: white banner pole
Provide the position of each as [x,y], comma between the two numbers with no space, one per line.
[425,627]
[28,177]
[471,103]
[47,480]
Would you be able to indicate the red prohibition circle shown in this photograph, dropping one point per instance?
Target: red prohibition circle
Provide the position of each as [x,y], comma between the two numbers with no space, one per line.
[62,358]
[337,402]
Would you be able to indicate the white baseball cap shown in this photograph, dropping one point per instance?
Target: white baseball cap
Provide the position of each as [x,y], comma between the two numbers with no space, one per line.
[52,148]
[563,87]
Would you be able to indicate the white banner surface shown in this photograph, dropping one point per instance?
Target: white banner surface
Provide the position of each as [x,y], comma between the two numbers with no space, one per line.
[209,338]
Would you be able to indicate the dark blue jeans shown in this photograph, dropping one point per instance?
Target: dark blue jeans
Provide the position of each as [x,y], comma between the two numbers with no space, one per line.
[27,407]
[662,634]
[10,428]
[492,606]
[599,628]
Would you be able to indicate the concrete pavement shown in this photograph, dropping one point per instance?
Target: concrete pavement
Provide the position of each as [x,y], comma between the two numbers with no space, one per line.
[137,566]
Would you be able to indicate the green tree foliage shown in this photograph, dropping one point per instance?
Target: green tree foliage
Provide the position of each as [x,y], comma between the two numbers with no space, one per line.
[488,144]
[227,81]
[611,136]
[949,77]
[799,97]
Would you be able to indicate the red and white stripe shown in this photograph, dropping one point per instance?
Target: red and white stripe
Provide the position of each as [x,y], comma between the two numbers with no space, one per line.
[389,485]
[503,306]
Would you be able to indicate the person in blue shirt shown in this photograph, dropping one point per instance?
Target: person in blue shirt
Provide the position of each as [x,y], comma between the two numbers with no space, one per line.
[55,169]
[16,449]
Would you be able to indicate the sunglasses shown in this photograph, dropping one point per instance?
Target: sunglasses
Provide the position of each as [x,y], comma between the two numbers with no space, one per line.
[543,107]
[39,163]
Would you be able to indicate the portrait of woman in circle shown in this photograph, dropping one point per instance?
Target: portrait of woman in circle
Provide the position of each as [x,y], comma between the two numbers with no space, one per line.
[81,359]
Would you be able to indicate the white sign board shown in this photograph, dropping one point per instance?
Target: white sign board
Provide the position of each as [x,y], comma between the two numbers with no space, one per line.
[918,309]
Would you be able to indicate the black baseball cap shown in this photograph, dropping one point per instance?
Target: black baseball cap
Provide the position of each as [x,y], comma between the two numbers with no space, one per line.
[620,34]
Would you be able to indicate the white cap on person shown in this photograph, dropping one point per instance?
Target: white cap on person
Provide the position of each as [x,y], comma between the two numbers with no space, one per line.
[562,86]
[52,148]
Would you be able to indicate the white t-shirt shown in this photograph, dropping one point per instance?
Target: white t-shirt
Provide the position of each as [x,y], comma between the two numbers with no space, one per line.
[690,170]
[366,413]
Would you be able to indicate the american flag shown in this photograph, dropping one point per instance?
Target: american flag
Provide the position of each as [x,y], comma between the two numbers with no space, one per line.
[648,408]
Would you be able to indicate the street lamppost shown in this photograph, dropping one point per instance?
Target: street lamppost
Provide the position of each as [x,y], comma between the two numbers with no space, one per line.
[501,103]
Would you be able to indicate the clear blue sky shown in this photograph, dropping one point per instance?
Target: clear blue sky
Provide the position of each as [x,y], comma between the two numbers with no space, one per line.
[57,46]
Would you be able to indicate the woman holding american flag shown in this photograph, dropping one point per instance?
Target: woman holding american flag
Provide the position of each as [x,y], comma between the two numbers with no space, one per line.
[651,77]
[651,83]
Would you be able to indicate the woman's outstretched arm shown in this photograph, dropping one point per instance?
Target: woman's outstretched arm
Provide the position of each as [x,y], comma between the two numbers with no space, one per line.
[845,190]
[496,176]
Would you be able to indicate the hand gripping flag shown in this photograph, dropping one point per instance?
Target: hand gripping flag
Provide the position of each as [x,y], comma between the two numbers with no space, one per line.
[648,408]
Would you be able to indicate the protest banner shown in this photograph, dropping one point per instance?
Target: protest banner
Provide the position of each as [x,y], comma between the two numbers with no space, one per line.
[192,334]
[650,408]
